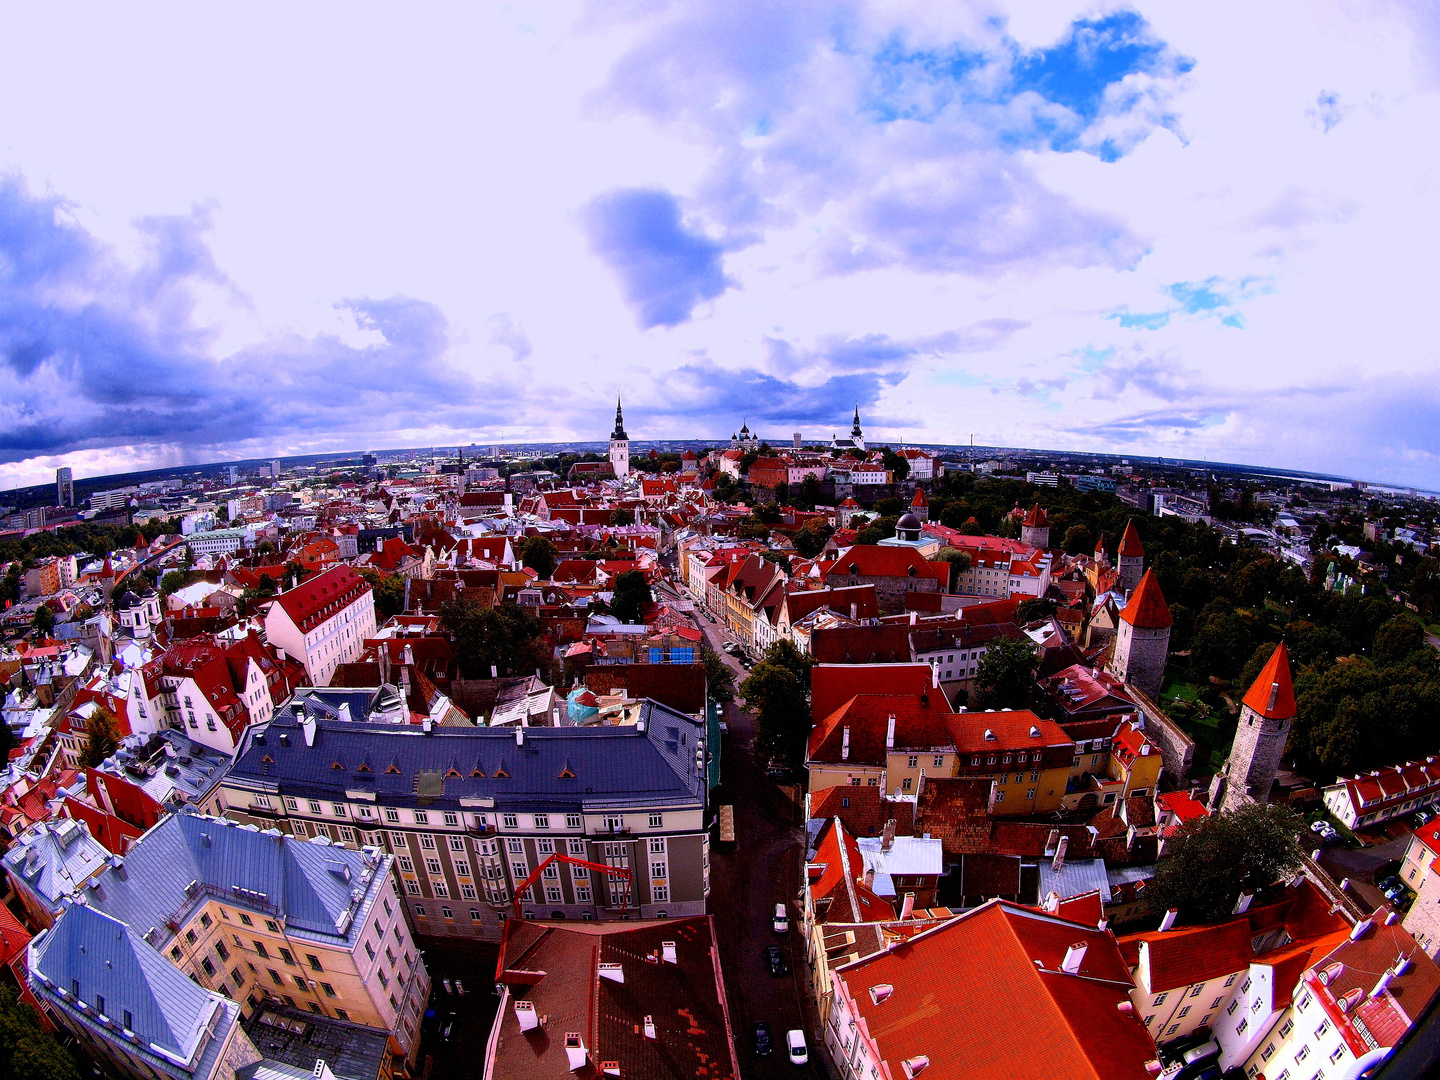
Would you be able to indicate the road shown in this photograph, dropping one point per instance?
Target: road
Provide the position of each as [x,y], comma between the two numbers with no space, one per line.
[746,883]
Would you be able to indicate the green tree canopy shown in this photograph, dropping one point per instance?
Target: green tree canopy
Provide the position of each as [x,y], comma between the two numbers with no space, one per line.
[389,592]
[776,695]
[506,638]
[632,593]
[1005,676]
[43,621]
[718,677]
[1210,861]
[539,554]
[810,540]
[101,738]
[622,516]
[28,1051]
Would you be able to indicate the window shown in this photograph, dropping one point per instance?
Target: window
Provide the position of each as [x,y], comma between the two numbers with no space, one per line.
[1240,1027]
[462,867]
[510,821]
[657,821]
[301,983]
[577,847]
[221,951]
[939,760]
[452,819]
[1216,1003]
[474,914]
[572,821]
[905,784]
[1160,998]
[542,821]
[275,977]
[1302,1053]
[1268,1052]
[208,967]
[419,908]
[1337,1054]
[657,846]
[659,893]
[260,950]
[1000,795]
[347,834]
[1245,986]
[397,840]
[614,821]
[338,808]
[406,864]
[854,781]
[433,865]
[515,847]
[391,814]
[205,920]
[1030,793]
[245,919]
[1304,1002]
[445,912]
[912,761]
[272,926]
[467,891]
[427,841]
[457,843]
[657,869]
[422,817]
[1183,1013]
[1286,1028]
[1322,1029]
[190,936]
[1195,990]
[545,846]
[1172,1029]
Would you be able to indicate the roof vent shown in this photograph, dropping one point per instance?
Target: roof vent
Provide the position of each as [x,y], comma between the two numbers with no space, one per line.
[1034,732]
[610,1068]
[989,735]
[525,1014]
[650,1027]
[1349,999]
[914,1066]
[1073,958]
[667,952]
[1330,972]
[575,1051]
[613,972]
[1359,930]
[880,992]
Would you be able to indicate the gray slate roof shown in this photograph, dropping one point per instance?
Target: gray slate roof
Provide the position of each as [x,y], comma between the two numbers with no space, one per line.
[612,766]
[54,858]
[111,961]
[311,884]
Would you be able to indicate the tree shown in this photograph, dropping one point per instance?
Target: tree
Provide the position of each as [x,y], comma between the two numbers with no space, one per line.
[43,621]
[774,693]
[896,464]
[870,535]
[1032,610]
[389,592]
[959,561]
[810,493]
[102,739]
[10,584]
[632,593]
[779,558]
[28,1051]
[810,540]
[175,580]
[1005,676]
[539,554]
[1399,639]
[786,654]
[506,638]
[1078,541]
[1211,861]
[719,679]
[622,516]
[295,571]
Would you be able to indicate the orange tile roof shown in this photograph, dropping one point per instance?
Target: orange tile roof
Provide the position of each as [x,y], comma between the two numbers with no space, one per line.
[832,685]
[919,722]
[1130,546]
[983,997]
[1272,695]
[1012,728]
[1193,954]
[1147,608]
[1036,517]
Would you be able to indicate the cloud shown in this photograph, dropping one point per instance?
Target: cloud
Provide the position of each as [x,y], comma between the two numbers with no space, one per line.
[665,269]
[505,333]
[882,352]
[98,353]
[1328,109]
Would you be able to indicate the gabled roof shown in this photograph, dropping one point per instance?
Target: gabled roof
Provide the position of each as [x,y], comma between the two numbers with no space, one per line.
[1147,609]
[864,810]
[1183,956]
[832,685]
[109,960]
[1130,546]
[318,597]
[841,880]
[919,722]
[1271,694]
[983,997]
[873,560]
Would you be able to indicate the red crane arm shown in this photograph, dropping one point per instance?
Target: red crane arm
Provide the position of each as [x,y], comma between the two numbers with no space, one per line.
[623,872]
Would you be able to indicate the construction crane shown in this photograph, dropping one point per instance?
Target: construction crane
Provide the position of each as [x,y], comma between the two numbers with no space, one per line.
[622,872]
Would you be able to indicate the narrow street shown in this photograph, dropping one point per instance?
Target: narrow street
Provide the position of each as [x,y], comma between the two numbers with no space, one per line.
[746,882]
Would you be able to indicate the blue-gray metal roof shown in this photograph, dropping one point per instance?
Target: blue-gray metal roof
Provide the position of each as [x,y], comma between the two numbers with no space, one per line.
[1076,877]
[310,884]
[111,961]
[55,858]
[608,765]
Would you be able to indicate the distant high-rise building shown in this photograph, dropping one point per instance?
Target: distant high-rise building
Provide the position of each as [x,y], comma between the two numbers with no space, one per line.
[64,487]
[232,475]
[796,440]
[271,469]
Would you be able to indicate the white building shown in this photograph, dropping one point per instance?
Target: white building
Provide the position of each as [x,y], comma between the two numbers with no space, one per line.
[323,622]
[220,541]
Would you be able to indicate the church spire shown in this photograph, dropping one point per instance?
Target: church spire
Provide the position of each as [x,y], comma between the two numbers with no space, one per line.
[855,431]
[619,432]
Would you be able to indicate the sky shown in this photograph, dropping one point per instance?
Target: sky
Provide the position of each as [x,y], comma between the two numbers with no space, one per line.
[1188,230]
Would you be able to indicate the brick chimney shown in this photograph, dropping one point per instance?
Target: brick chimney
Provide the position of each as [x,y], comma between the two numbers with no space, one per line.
[890,733]
[887,837]
[907,906]
[1073,958]
[1059,861]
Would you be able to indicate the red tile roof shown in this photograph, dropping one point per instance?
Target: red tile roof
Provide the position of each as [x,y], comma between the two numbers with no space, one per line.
[839,890]
[1180,957]
[1011,729]
[867,560]
[983,998]
[863,810]
[1272,695]
[832,685]
[319,597]
[1147,608]
[919,722]
[1036,517]
[1130,546]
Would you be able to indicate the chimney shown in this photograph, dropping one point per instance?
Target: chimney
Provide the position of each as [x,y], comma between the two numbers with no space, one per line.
[845,743]
[890,733]
[526,1016]
[1059,861]
[407,657]
[307,726]
[1053,840]
[907,906]
[1383,984]
[1243,904]
[575,1051]
[854,612]
[1073,957]
[1168,922]
[887,837]
[1359,929]
[1145,749]
[344,711]
[613,972]
[1153,1066]
[520,733]
[667,952]
[650,1027]
[870,877]
[914,617]
[1102,924]
[494,672]
[1402,965]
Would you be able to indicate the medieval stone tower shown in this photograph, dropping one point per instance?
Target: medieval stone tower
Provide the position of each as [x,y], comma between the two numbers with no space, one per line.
[619,445]
[1142,640]
[1130,560]
[1265,718]
[1035,529]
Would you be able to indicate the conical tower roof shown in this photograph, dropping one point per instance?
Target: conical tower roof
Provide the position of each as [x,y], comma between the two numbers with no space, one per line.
[1272,695]
[1036,517]
[1130,546]
[1147,608]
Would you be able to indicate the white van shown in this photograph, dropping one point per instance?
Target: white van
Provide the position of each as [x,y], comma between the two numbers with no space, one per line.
[1201,1052]
[782,920]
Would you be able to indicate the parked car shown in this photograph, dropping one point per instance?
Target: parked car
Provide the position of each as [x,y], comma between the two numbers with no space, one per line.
[795,1046]
[1421,817]
[1324,829]
[776,959]
[1386,870]
[781,921]
[762,1039]
[1389,884]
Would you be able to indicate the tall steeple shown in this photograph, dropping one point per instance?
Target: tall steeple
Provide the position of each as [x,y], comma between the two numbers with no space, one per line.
[619,445]
[856,429]
[619,432]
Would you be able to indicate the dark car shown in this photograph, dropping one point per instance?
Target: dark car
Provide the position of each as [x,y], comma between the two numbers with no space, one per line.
[1386,870]
[1390,884]
[763,1046]
[776,960]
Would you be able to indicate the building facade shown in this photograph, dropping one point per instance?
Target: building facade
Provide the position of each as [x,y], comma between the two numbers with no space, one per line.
[323,622]
[468,814]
